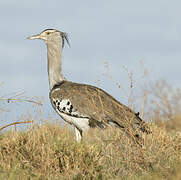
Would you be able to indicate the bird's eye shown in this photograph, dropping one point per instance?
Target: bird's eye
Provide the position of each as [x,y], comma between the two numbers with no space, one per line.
[48,33]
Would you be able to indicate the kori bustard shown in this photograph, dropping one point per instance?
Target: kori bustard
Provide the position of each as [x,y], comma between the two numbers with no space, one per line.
[83,106]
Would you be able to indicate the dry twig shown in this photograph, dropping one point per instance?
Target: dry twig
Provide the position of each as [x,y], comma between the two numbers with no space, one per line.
[22,100]
[15,124]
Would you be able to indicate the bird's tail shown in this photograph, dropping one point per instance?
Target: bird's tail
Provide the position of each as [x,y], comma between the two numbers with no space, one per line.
[143,126]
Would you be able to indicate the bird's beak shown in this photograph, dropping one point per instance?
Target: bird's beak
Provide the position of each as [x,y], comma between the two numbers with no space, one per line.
[34,37]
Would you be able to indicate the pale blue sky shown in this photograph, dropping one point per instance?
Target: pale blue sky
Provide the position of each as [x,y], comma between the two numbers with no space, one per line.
[121,32]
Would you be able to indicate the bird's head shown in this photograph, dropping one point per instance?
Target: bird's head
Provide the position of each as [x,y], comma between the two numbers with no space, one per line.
[51,36]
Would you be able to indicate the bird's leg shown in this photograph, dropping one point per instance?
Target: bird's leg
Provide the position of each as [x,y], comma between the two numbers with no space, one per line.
[78,134]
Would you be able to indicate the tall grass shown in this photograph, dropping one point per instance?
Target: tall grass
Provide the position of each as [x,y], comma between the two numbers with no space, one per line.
[49,151]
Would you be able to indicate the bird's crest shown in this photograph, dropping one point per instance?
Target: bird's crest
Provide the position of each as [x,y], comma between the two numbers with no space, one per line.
[64,37]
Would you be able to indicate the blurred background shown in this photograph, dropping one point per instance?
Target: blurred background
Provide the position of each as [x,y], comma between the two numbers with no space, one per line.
[110,41]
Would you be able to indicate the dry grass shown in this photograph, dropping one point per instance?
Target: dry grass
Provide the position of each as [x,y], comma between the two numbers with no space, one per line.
[50,152]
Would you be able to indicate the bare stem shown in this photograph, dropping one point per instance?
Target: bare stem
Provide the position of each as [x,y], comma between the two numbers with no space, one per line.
[22,100]
[15,124]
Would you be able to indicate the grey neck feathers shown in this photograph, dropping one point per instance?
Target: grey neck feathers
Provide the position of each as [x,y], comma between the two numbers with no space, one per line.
[54,52]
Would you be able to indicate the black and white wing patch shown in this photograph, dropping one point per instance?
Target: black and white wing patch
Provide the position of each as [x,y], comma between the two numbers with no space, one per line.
[66,110]
[65,106]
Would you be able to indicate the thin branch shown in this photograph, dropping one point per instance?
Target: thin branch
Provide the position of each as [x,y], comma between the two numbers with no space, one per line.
[15,124]
[23,100]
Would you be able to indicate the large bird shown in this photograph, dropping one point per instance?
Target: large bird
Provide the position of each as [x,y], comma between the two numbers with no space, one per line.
[84,106]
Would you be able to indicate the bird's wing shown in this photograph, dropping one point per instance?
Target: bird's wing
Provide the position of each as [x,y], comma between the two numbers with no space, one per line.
[99,107]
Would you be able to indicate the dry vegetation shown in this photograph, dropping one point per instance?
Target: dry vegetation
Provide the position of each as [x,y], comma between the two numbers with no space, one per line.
[49,151]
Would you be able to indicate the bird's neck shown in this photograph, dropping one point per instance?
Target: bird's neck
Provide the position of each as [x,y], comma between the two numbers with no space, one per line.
[54,52]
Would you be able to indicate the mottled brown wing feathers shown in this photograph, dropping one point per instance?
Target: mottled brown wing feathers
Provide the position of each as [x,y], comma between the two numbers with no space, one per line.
[98,105]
